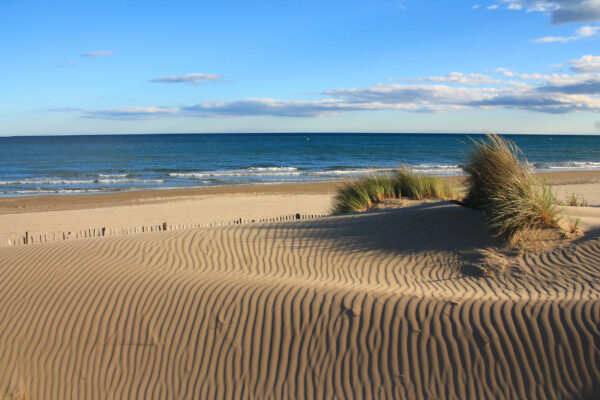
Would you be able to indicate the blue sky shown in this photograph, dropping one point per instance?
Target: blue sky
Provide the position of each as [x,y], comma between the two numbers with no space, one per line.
[72,67]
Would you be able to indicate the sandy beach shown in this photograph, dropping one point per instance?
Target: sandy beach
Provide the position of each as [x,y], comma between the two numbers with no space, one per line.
[385,304]
[51,216]
[300,200]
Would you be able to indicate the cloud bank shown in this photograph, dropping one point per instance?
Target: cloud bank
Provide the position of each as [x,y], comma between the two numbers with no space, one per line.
[501,88]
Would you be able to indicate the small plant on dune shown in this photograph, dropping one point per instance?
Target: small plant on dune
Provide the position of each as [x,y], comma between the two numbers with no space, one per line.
[363,194]
[573,227]
[575,200]
[501,184]
[572,199]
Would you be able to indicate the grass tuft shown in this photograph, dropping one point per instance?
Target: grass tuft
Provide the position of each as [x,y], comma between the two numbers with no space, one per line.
[573,227]
[363,194]
[501,184]
[575,200]
[572,199]
[420,186]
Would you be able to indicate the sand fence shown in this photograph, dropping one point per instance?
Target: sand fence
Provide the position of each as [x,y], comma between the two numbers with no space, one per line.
[97,232]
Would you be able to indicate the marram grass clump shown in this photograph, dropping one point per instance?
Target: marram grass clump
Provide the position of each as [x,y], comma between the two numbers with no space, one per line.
[500,183]
[363,194]
[419,186]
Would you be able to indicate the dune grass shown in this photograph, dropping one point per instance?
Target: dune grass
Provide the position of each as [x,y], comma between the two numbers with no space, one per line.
[574,200]
[501,184]
[363,194]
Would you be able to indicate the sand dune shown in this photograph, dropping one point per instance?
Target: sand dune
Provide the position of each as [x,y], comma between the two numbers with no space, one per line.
[376,305]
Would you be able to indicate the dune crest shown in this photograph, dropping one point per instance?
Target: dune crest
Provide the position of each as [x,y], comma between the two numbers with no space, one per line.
[376,305]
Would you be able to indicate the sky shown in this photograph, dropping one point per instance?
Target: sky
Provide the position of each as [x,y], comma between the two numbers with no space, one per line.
[118,67]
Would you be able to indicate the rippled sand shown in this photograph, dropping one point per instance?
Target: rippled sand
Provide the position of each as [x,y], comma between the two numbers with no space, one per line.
[377,305]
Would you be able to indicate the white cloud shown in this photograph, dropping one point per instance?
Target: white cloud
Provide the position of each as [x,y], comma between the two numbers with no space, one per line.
[555,39]
[475,7]
[493,7]
[587,31]
[515,6]
[583,32]
[585,64]
[98,53]
[454,77]
[188,78]
[532,76]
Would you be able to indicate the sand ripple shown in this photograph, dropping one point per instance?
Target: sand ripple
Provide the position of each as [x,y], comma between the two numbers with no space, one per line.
[376,305]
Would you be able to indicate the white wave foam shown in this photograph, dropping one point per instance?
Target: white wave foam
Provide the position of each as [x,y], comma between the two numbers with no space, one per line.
[252,171]
[423,168]
[569,165]
[271,169]
[52,181]
[48,191]
[112,175]
[341,172]
[128,180]
[45,181]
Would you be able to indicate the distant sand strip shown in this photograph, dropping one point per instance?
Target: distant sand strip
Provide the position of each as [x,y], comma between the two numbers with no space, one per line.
[185,212]
[376,305]
[38,237]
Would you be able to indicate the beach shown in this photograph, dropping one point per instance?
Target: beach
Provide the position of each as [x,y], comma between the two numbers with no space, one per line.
[54,215]
[300,200]
[384,304]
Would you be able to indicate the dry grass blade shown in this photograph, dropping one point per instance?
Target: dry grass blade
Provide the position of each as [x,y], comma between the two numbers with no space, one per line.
[501,184]
[363,194]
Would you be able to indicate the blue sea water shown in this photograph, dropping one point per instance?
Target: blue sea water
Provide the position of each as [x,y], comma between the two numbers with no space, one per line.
[107,163]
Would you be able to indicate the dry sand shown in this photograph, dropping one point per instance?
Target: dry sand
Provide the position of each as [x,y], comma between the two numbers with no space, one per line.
[51,216]
[377,305]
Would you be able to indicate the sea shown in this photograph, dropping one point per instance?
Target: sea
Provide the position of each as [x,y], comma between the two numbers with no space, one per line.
[38,165]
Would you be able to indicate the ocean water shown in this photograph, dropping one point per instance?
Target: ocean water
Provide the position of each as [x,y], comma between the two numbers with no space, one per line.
[108,163]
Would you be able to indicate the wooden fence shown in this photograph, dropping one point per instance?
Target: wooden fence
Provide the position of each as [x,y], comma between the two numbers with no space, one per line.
[37,237]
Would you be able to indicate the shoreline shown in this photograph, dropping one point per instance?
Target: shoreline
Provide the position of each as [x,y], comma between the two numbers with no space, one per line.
[140,211]
[61,202]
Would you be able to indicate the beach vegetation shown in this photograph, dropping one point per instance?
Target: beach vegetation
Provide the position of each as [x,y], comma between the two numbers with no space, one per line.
[572,199]
[575,200]
[501,184]
[364,194]
[573,227]
[420,186]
